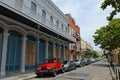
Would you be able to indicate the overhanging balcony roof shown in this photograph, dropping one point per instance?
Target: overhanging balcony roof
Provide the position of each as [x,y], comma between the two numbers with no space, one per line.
[8,13]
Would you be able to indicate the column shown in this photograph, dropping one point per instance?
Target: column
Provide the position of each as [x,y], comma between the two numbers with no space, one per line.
[56,50]
[64,53]
[4,53]
[54,53]
[22,66]
[46,49]
[59,51]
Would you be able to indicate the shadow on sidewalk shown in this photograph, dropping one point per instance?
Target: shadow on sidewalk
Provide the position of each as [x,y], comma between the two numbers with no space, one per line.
[100,65]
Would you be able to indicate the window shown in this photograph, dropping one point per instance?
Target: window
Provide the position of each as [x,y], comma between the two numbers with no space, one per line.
[33,7]
[18,4]
[43,14]
[51,19]
[62,26]
[66,29]
[57,23]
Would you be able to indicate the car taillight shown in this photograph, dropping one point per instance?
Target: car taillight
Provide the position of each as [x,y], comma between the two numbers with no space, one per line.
[39,68]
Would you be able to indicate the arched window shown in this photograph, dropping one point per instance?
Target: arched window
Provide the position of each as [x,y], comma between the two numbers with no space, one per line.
[51,19]
[33,7]
[62,26]
[57,23]
[43,14]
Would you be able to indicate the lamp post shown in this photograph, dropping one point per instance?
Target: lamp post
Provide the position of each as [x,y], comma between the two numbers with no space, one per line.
[37,55]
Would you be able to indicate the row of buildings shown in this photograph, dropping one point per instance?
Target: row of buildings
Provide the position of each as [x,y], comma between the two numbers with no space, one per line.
[26,23]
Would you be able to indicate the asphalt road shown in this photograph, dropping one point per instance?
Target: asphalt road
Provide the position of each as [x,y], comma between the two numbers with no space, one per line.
[95,71]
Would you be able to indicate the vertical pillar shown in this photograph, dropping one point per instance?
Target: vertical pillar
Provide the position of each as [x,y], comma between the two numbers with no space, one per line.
[46,49]
[64,53]
[54,53]
[56,50]
[59,51]
[4,53]
[22,66]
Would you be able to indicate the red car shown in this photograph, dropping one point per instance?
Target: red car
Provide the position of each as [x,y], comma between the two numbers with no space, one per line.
[51,66]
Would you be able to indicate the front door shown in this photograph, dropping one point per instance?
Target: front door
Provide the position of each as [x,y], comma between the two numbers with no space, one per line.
[42,52]
[30,53]
[50,50]
[13,54]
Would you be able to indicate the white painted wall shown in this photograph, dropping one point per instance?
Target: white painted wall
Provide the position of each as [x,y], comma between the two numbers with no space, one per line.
[51,10]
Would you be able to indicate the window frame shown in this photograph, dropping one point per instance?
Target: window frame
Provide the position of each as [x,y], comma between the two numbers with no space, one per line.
[51,19]
[43,14]
[33,7]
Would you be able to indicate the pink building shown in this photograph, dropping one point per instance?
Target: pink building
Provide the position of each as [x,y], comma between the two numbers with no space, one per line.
[74,30]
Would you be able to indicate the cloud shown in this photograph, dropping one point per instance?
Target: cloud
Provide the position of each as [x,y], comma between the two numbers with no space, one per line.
[87,14]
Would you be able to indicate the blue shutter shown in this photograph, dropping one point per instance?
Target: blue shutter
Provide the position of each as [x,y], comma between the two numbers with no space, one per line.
[42,53]
[13,54]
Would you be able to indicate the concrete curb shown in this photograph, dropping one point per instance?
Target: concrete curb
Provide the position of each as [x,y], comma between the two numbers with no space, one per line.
[26,76]
[29,77]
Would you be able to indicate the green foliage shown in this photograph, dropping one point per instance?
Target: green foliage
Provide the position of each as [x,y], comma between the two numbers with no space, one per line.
[95,54]
[115,4]
[109,35]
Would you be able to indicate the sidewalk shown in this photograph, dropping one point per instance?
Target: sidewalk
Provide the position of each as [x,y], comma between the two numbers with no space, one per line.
[20,77]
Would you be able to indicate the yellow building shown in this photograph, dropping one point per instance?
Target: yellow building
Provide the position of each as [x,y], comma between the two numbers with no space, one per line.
[86,49]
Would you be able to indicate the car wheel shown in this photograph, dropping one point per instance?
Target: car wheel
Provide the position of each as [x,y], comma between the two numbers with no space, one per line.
[62,70]
[54,73]
[38,75]
[80,65]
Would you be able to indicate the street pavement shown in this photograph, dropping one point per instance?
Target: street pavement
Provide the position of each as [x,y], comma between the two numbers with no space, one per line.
[95,71]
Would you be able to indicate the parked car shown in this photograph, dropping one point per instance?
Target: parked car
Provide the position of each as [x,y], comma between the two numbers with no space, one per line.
[69,65]
[78,62]
[83,61]
[92,60]
[98,59]
[86,61]
[89,61]
[51,66]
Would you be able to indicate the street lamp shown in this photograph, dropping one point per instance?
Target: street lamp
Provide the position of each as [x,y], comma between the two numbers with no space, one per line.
[37,55]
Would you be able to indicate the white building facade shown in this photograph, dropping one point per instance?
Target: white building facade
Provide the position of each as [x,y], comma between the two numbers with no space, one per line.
[22,22]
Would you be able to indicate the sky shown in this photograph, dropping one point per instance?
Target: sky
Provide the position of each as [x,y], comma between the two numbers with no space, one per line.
[88,16]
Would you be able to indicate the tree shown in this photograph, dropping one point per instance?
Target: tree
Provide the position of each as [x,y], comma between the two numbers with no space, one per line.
[109,35]
[95,54]
[114,4]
